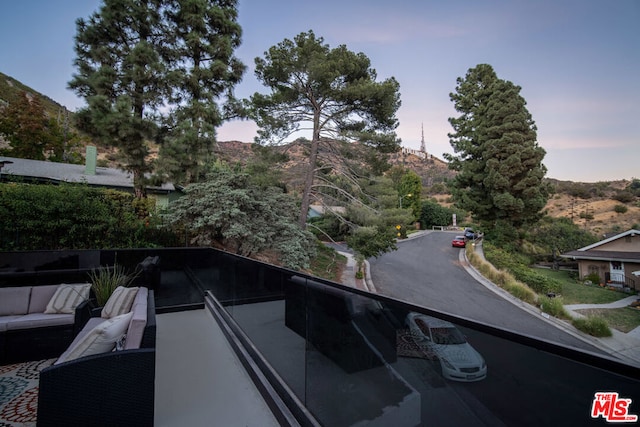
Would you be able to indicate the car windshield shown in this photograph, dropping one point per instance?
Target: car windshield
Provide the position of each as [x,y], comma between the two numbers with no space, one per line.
[447,336]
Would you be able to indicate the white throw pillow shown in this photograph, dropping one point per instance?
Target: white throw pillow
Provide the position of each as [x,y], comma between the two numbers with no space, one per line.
[67,297]
[119,302]
[101,339]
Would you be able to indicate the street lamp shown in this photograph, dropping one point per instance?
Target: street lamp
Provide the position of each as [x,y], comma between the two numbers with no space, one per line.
[402,197]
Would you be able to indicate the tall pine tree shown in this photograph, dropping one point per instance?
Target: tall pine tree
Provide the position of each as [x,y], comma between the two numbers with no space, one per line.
[152,70]
[203,35]
[332,92]
[499,161]
[122,77]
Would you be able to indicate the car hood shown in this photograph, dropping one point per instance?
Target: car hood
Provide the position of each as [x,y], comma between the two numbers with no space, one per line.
[459,354]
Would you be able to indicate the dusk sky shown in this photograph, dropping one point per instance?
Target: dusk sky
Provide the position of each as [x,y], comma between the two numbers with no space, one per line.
[577,61]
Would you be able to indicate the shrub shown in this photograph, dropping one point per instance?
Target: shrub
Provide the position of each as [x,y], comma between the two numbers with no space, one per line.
[536,281]
[593,278]
[624,196]
[72,216]
[594,326]
[554,307]
[620,209]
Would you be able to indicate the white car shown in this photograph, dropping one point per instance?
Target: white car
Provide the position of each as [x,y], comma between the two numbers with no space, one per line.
[439,339]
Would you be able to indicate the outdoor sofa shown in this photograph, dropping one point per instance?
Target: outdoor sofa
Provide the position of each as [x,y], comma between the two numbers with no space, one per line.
[39,322]
[112,387]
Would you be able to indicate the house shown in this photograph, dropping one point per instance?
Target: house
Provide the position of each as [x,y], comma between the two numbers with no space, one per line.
[616,259]
[51,172]
[316,211]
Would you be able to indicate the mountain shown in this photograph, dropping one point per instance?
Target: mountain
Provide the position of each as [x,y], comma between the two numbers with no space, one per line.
[10,89]
[598,207]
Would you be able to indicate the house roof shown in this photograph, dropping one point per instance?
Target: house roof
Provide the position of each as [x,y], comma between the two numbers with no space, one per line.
[592,253]
[603,255]
[65,172]
[611,239]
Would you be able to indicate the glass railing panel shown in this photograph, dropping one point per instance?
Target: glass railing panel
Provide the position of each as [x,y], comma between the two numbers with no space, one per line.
[358,359]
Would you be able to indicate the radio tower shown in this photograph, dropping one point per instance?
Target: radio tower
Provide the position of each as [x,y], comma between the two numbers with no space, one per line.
[422,147]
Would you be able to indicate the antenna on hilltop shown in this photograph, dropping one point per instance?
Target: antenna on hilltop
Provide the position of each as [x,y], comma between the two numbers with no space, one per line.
[422,147]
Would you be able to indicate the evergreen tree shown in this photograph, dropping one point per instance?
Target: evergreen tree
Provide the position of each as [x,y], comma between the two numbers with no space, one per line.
[203,35]
[499,162]
[229,209]
[123,79]
[153,70]
[333,91]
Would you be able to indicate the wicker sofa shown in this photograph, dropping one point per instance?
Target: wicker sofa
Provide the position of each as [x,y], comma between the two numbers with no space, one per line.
[32,328]
[109,388]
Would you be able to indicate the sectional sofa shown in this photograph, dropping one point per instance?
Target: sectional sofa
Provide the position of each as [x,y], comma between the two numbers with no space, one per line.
[95,382]
[39,322]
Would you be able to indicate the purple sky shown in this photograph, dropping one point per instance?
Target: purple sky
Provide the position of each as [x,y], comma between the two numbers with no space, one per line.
[577,61]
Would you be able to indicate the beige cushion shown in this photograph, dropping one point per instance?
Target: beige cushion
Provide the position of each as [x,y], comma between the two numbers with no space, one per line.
[14,301]
[68,297]
[138,321]
[40,297]
[119,302]
[101,339]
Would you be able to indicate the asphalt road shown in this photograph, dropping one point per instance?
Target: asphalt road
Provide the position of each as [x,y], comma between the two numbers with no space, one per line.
[426,271]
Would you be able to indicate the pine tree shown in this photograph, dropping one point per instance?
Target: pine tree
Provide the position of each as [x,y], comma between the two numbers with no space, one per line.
[498,158]
[333,91]
[123,79]
[203,35]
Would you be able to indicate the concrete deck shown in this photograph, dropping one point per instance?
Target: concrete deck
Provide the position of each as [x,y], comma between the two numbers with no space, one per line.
[199,379]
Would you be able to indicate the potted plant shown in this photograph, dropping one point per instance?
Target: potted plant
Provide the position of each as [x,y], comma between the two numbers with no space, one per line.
[104,280]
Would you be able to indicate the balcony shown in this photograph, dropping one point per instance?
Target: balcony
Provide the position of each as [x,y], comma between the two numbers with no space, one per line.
[245,343]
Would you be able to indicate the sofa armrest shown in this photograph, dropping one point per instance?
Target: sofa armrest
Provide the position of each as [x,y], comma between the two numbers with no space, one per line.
[115,388]
[82,316]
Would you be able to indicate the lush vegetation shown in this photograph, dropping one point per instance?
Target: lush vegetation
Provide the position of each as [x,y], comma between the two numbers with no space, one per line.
[160,71]
[32,133]
[75,216]
[577,291]
[246,218]
[498,160]
[596,326]
[332,89]
[623,319]
[519,266]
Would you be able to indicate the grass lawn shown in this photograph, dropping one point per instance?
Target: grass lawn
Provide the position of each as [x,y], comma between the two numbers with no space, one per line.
[574,292]
[623,319]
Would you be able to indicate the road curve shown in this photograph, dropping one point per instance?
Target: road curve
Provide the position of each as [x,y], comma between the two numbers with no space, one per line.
[427,271]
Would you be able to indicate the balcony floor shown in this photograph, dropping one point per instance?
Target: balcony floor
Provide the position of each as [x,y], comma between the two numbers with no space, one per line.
[199,379]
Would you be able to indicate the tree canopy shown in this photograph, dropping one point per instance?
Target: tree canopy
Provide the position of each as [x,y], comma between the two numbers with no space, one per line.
[229,208]
[332,92]
[30,133]
[151,70]
[498,158]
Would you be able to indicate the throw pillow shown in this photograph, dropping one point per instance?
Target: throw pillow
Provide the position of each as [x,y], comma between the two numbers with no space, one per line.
[67,297]
[101,339]
[119,302]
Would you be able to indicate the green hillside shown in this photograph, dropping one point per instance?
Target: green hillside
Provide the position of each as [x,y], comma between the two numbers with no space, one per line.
[10,88]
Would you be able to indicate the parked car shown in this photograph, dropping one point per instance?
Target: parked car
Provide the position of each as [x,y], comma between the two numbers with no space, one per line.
[470,234]
[442,341]
[459,242]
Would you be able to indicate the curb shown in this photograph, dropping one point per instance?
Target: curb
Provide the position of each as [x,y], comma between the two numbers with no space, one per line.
[554,321]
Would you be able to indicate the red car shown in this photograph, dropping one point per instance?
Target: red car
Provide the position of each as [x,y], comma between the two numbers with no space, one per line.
[459,242]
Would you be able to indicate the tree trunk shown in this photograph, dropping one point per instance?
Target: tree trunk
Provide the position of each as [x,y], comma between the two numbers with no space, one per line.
[311,173]
[138,185]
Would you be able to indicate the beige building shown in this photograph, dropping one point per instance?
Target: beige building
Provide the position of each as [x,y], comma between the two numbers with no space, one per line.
[616,259]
